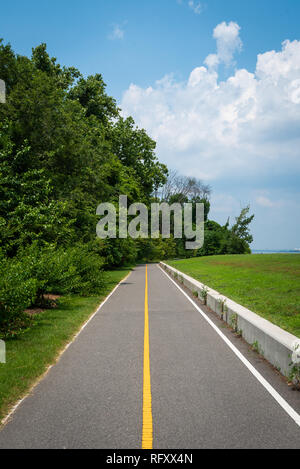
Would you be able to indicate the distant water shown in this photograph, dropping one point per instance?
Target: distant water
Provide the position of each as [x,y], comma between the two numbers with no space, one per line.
[282,251]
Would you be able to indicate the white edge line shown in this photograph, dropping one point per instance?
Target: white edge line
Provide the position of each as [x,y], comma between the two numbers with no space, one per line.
[39,379]
[278,398]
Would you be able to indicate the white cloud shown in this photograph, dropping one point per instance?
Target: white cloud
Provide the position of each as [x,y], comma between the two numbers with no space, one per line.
[264,201]
[196,6]
[228,43]
[224,205]
[117,33]
[246,125]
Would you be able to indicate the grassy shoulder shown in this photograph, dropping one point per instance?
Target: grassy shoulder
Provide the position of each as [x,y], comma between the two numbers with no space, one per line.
[29,355]
[267,284]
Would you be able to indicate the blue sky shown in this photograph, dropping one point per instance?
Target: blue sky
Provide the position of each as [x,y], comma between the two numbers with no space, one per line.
[189,72]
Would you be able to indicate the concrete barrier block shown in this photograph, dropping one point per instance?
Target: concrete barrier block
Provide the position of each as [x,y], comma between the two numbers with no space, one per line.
[232,318]
[217,303]
[271,349]
[266,339]
[213,303]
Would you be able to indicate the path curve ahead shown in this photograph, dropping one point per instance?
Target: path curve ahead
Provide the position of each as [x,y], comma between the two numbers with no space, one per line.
[149,371]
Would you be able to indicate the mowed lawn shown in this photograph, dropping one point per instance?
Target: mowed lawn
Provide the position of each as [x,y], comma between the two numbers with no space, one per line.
[268,284]
[29,355]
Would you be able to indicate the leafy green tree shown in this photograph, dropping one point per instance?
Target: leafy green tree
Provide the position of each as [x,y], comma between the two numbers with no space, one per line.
[240,237]
[136,149]
[28,211]
[241,226]
[65,76]
[90,93]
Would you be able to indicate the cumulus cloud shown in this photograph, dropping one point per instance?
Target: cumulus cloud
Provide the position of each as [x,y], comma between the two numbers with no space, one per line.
[246,125]
[117,33]
[228,43]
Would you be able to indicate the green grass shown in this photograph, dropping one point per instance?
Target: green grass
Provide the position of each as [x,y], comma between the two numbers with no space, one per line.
[267,284]
[29,355]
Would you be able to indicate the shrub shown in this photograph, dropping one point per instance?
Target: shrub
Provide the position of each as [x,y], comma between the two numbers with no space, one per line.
[88,269]
[74,270]
[25,279]
[17,292]
[117,252]
[50,268]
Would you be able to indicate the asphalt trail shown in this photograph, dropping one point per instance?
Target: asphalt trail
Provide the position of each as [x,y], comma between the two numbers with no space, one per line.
[202,394]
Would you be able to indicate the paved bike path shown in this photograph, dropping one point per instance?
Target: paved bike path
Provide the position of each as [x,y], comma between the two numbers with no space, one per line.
[203,396]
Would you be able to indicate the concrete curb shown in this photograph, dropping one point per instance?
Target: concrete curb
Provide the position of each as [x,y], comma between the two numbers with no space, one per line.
[272,342]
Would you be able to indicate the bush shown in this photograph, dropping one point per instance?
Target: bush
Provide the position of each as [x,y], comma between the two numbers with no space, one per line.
[17,292]
[88,269]
[50,268]
[74,270]
[25,279]
[118,252]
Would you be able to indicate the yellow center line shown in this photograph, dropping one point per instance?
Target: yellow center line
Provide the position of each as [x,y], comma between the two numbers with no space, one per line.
[147,439]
